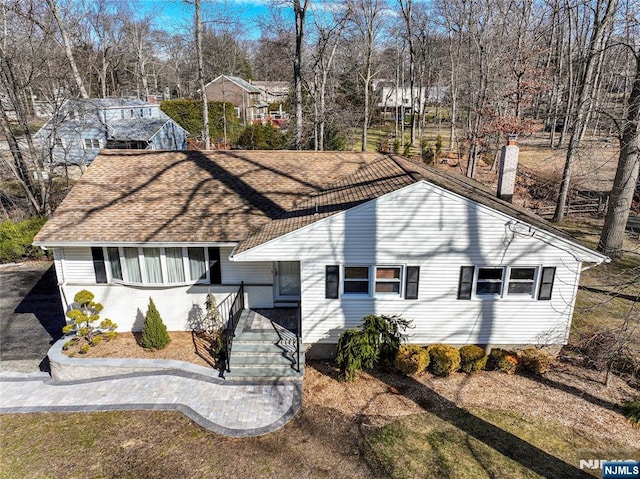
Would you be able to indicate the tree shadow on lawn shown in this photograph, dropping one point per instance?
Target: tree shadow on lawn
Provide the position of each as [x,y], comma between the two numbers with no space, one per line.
[574,391]
[526,454]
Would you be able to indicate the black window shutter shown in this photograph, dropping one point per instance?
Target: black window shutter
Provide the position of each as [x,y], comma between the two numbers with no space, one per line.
[332,281]
[411,286]
[546,283]
[215,271]
[466,282]
[98,265]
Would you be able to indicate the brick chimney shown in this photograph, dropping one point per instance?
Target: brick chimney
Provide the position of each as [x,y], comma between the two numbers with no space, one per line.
[508,167]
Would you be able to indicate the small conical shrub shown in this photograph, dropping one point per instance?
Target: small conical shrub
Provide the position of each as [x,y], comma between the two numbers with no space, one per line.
[154,331]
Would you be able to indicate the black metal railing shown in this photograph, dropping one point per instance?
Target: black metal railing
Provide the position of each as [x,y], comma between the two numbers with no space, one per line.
[234,316]
[298,335]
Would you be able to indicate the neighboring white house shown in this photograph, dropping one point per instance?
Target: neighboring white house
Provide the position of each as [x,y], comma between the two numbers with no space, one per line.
[345,234]
[82,127]
[389,96]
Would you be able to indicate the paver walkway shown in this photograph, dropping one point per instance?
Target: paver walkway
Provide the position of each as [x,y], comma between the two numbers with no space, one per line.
[231,409]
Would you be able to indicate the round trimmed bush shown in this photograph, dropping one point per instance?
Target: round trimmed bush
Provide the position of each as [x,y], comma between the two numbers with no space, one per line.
[502,360]
[536,360]
[412,359]
[444,359]
[472,358]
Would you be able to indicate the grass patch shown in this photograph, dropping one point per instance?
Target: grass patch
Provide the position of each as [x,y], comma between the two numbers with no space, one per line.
[163,444]
[443,445]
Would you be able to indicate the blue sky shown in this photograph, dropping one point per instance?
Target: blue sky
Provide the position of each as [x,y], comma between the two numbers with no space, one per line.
[174,15]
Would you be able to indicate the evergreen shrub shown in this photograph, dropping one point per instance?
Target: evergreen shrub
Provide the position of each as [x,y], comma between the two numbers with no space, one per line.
[502,360]
[376,343]
[83,314]
[632,411]
[444,359]
[16,239]
[412,359]
[472,358]
[154,331]
[535,360]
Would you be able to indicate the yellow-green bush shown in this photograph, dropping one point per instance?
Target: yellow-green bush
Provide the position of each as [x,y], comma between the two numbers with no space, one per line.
[16,239]
[443,359]
[472,358]
[536,360]
[412,359]
[502,360]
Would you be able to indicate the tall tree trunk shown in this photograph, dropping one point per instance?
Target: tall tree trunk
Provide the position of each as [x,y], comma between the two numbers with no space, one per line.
[300,11]
[29,178]
[67,48]
[587,89]
[626,179]
[203,94]
[453,95]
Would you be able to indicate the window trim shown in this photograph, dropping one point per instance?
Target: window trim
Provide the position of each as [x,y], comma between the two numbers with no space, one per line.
[344,279]
[371,280]
[398,281]
[92,142]
[163,266]
[504,287]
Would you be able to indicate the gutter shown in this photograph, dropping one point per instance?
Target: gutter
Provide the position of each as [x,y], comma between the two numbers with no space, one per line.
[606,260]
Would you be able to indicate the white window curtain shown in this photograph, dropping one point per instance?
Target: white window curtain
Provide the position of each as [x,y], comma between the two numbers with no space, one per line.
[133,266]
[197,264]
[175,266]
[153,267]
[113,255]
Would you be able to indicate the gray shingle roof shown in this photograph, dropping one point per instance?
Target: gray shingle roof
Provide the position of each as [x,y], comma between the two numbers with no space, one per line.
[243,84]
[139,129]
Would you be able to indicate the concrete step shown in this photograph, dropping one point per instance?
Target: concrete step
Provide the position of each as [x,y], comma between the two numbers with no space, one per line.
[252,349]
[269,361]
[256,337]
[263,374]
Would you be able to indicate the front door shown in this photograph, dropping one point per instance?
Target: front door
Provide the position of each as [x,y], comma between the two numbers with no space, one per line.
[287,280]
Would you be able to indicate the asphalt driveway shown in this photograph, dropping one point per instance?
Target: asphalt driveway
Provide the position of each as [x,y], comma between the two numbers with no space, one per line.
[31,316]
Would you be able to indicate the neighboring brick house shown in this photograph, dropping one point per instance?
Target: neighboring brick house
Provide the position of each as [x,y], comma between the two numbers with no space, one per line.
[82,127]
[243,95]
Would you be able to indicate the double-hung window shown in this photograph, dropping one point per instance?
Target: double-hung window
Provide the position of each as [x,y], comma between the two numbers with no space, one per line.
[388,280]
[356,280]
[381,281]
[92,143]
[522,281]
[489,281]
[506,282]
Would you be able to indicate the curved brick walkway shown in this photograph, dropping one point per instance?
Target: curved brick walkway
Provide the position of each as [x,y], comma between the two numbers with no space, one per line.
[231,409]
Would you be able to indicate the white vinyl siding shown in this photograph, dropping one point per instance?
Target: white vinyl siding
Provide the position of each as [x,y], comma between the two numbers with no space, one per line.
[78,265]
[424,225]
[234,272]
[126,303]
